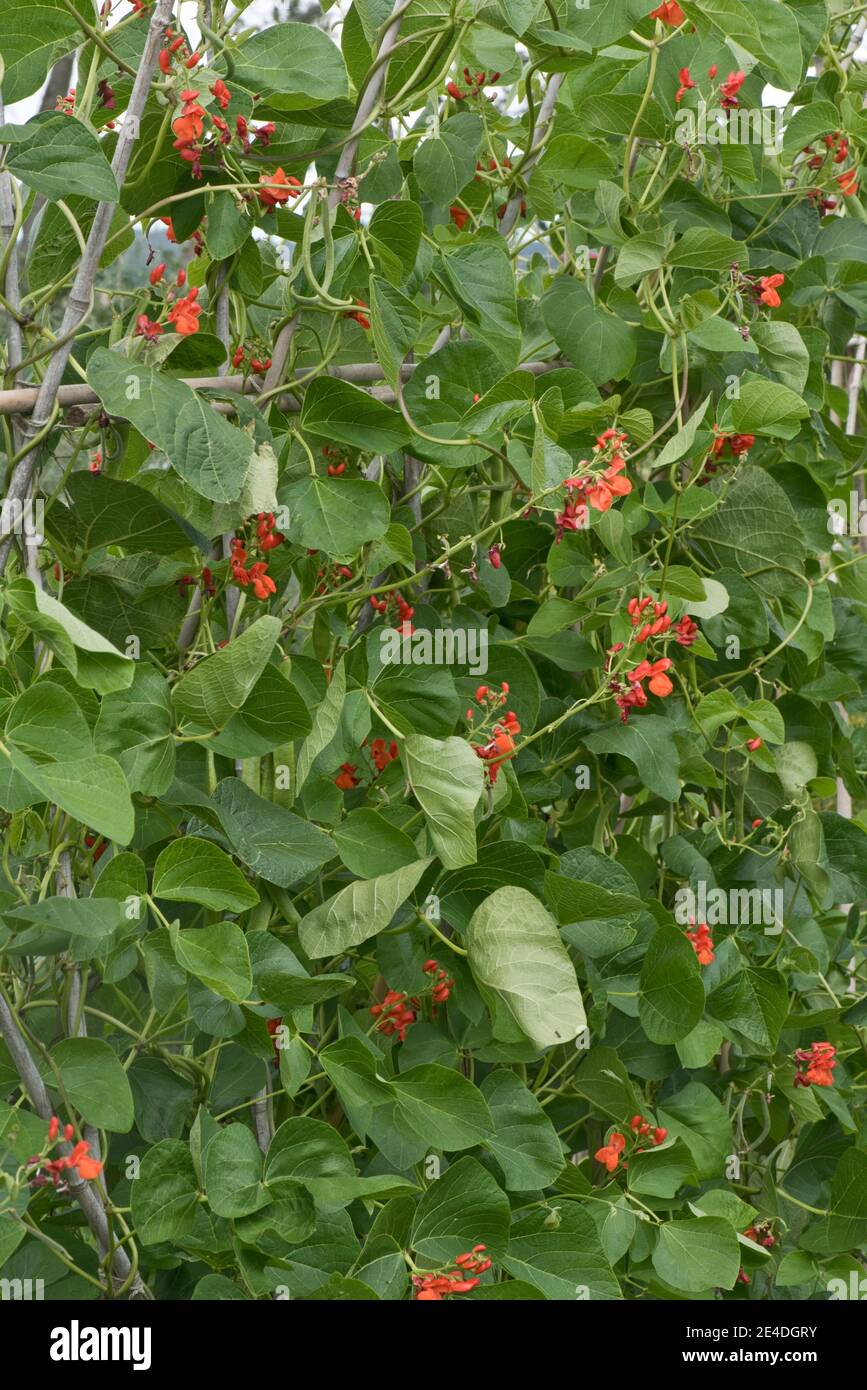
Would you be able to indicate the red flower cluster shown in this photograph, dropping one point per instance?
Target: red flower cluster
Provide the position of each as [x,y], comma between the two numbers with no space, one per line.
[848,182]
[357,316]
[53,1169]
[634,696]
[97,844]
[686,631]
[737,444]
[473,85]
[383,753]
[818,1063]
[599,488]
[701,941]
[610,1153]
[501,745]
[443,984]
[396,1013]
[659,623]
[405,610]
[642,1127]
[459,217]
[277,188]
[435,1287]
[182,315]
[267,538]
[207,582]
[244,354]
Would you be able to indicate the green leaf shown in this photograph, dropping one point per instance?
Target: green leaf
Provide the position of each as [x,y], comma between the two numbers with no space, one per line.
[105,511]
[298,65]
[217,687]
[370,845]
[358,911]
[276,844]
[698,1254]
[602,345]
[444,164]
[398,226]
[671,998]
[519,962]
[766,407]
[211,455]
[90,658]
[446,778]
[566,1260]
[233,1173]
[647,742]
[218,956]
[165,1198]
[96,1083]
[481,278]
[32,38]
[524,1143]
[135,727]
[55,155]
[93,790]
[443,1107]
[337,515]
[190,870]
[344,414]
[463,1208]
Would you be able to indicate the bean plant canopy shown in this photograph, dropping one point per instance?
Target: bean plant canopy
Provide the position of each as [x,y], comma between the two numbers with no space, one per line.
[432,603]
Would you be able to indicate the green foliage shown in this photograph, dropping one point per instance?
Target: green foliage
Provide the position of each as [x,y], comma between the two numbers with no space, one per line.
[432,766]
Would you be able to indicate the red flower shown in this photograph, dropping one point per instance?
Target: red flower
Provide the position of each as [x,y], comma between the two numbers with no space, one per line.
[263,584]
[686,85]
[53,1129]
[610,1153]
[383,753]
[185,314]
[753,744]
[494,557]
[157,273]
[145,328]
[730,88]
[848,182]
[818,1061]
[669,12]
[654,673]
[686,631]
[702,943]
[361,319]
[277,188]
[459,217]
[346,778]
[768,285]
[454,91]
[394,1015]
[222,93]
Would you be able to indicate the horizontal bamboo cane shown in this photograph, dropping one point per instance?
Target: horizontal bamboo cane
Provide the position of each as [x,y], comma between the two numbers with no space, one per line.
[21,400]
